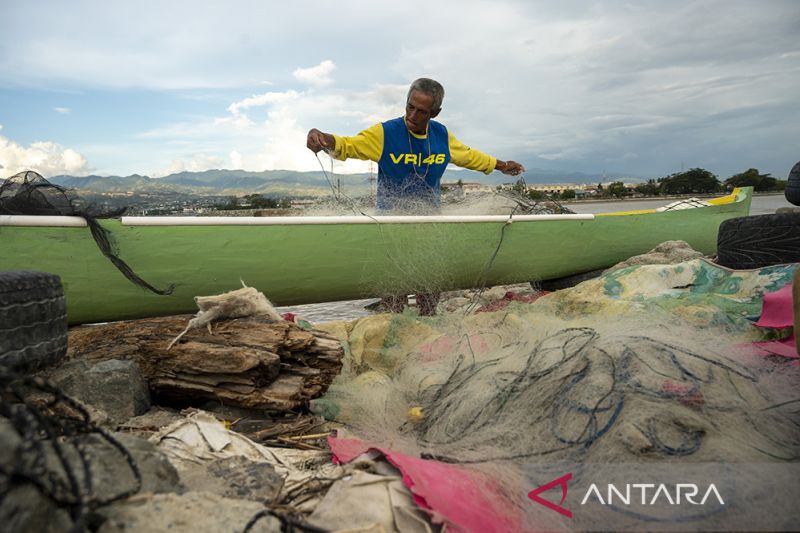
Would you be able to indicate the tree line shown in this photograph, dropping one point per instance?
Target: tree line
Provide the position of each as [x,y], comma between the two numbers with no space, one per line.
[253,201]
[699,180]
[692,181]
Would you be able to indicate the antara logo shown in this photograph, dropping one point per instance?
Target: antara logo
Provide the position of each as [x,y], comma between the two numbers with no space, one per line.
[650,494]
[562,481]
[659,492]
[416,159]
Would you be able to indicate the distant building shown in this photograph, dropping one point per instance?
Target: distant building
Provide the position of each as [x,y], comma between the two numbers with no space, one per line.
[467,187]
[581,189]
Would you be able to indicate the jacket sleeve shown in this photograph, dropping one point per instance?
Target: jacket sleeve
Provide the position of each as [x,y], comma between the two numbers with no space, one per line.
[464,156]
[367,144]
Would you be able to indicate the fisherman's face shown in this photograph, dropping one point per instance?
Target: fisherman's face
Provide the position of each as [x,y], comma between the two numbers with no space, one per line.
[419,111]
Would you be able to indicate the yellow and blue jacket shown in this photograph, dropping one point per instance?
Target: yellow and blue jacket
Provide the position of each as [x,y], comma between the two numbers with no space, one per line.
[410,166]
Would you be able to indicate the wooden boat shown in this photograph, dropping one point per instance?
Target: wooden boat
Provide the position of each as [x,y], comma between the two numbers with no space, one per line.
[296,260]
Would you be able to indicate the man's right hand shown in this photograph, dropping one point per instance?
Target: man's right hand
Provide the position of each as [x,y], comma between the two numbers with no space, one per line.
[512,168]
[318,140]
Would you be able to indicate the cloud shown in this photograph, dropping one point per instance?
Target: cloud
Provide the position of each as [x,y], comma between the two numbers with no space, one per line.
[318,76]
[46,158]
[195,163]
[152,45]
[573,85]
[277,138]
[268,131]
[236,160]
[62,110]
[577,87]
[283,123]
[261,100]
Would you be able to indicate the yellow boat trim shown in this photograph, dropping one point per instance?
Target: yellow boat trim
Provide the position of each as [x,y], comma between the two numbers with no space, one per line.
[618,213]
[722,200]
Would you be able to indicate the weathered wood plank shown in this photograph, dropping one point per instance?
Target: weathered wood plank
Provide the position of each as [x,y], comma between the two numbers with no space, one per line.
[247,362]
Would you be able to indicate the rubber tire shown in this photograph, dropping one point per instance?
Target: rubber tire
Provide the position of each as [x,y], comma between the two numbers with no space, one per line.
[758,241]
[33,320]
[792,190]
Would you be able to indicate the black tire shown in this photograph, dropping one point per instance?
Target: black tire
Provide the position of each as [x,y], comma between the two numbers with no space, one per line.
[792,190]
[759,241]
[33,320]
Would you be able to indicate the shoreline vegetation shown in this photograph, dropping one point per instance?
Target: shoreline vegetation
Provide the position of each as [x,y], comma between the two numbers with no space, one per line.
[242,193]
[659,197]
[693,182]
[288,208]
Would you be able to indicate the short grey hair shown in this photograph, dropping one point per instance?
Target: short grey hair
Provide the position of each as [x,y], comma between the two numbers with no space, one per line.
[430,87]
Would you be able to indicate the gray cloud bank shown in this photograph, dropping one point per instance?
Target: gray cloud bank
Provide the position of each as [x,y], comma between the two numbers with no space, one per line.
[638,87]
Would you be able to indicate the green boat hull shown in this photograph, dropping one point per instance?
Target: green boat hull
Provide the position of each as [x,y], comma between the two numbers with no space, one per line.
[317,262]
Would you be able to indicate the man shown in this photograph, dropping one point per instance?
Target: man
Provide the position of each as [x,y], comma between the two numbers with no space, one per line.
[412,153]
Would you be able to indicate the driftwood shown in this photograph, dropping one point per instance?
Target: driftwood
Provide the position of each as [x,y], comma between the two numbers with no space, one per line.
[246,362]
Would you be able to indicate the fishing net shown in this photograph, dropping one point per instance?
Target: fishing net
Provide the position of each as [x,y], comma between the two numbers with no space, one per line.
[503,388]
[411,266]
[50,443]
[525,204]
[28,193]
[644,364]
[504,200]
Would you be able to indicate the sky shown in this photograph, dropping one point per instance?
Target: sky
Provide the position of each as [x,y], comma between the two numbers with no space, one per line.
[642,88]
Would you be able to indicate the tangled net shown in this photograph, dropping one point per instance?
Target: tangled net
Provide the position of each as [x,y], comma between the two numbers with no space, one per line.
[51,453]
[502,389]
[528,206]
[28,193]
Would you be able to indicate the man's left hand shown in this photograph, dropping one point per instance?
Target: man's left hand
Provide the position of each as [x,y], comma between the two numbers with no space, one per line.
[512,168]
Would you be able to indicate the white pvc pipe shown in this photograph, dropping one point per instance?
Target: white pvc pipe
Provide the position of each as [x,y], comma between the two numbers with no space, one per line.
[77,222]
[363,219]
[34,220]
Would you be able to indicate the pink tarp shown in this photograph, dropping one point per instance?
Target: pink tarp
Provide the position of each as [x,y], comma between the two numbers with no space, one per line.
[777,309]
[464,499]
[777,313]
[784,348]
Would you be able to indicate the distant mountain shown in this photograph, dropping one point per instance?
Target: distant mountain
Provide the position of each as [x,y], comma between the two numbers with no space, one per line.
[288,182]
[217,182]
[102,183]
